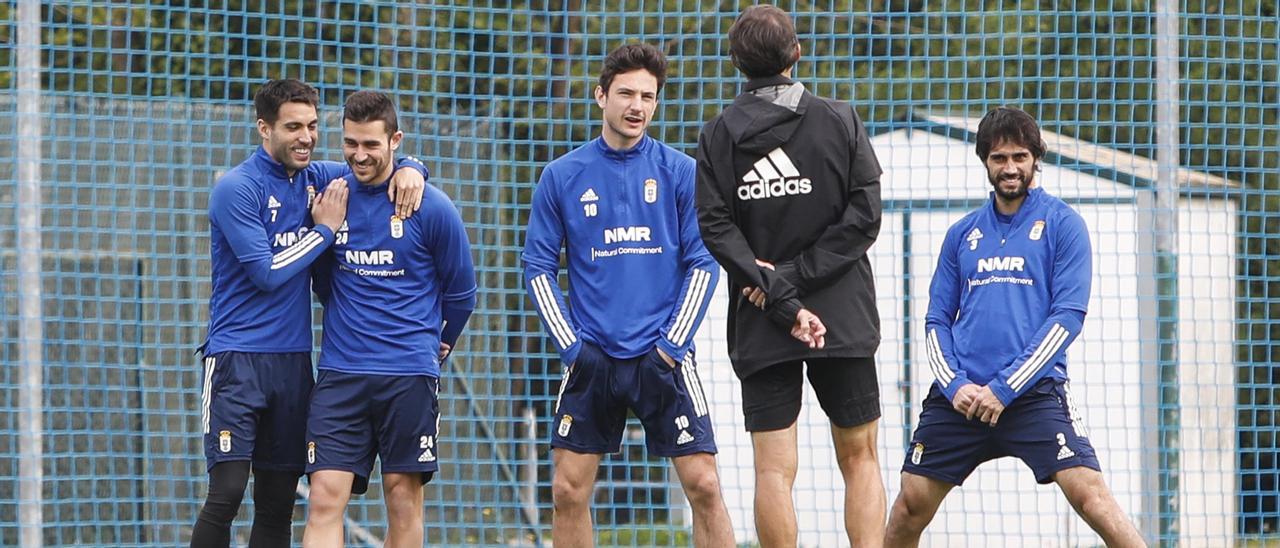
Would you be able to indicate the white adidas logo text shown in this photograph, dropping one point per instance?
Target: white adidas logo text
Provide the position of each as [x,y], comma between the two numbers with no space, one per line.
[773,176]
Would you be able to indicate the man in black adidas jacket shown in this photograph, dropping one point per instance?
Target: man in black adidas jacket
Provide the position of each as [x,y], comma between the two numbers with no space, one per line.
[788,199]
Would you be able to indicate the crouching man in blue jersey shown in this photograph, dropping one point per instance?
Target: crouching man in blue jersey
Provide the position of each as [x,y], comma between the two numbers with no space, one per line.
[397,293]
[622,207]
[1008,297]
[265,232]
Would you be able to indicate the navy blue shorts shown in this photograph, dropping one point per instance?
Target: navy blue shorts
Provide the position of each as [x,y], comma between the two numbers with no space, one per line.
[357,417]
[1042,428]
[596,392]
[254,407]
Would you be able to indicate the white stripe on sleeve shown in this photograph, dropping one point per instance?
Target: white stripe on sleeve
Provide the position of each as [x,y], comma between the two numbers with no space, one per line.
[296,251]
[937,361]
[691,306]
[551,313]
[1048,347]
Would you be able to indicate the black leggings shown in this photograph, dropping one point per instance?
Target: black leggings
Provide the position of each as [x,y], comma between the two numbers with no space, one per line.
[273,498]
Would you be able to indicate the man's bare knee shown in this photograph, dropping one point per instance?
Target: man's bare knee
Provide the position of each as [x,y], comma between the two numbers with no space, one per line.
[916,505]
[567,493]
[856,444]
[703,490]
[328,497]
[404,500]
[775,472]
[912,509]
[1085,490]
[1094,503]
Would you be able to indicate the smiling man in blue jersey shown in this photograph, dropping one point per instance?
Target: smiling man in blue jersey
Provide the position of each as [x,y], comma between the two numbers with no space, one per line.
[397,293]
[1008,297]
[268,223]
[622,208]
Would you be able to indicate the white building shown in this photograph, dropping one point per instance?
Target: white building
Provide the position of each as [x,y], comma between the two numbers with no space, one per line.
[932,178]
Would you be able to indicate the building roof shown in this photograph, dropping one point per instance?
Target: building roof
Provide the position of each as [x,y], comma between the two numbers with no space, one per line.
[929,161]
[1072,153]
[923,169]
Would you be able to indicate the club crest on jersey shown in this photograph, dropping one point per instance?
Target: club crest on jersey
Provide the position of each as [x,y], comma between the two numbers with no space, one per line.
[973,237]
[917,452]
[566,422]
[224,441]
[650,191]
[397,227]
[311,195]
[1037,230]
[311,452]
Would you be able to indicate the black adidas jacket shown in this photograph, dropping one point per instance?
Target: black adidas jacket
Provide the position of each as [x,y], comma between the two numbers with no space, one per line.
[799,189]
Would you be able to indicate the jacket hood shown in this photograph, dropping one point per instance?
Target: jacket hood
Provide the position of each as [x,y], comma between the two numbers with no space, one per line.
[758,125]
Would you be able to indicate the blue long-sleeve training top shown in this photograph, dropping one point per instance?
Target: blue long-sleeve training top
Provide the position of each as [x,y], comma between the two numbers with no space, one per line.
[394,288]
[262,245]
[1008,298]
[639,275]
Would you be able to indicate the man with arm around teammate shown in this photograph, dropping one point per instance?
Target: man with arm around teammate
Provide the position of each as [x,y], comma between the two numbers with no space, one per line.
[265,232]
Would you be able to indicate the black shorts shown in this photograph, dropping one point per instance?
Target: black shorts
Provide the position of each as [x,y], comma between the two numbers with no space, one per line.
[847,390]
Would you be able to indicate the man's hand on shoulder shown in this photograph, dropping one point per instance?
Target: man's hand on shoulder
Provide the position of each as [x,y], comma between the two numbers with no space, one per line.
[406,189]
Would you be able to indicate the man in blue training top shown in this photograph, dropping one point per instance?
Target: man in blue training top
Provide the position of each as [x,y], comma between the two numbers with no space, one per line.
[622,207]
[1008,296]
[397,293]
[257,365]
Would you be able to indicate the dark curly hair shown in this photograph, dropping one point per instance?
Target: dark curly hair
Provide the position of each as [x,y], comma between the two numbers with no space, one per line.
[1012,125]
[633,57]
